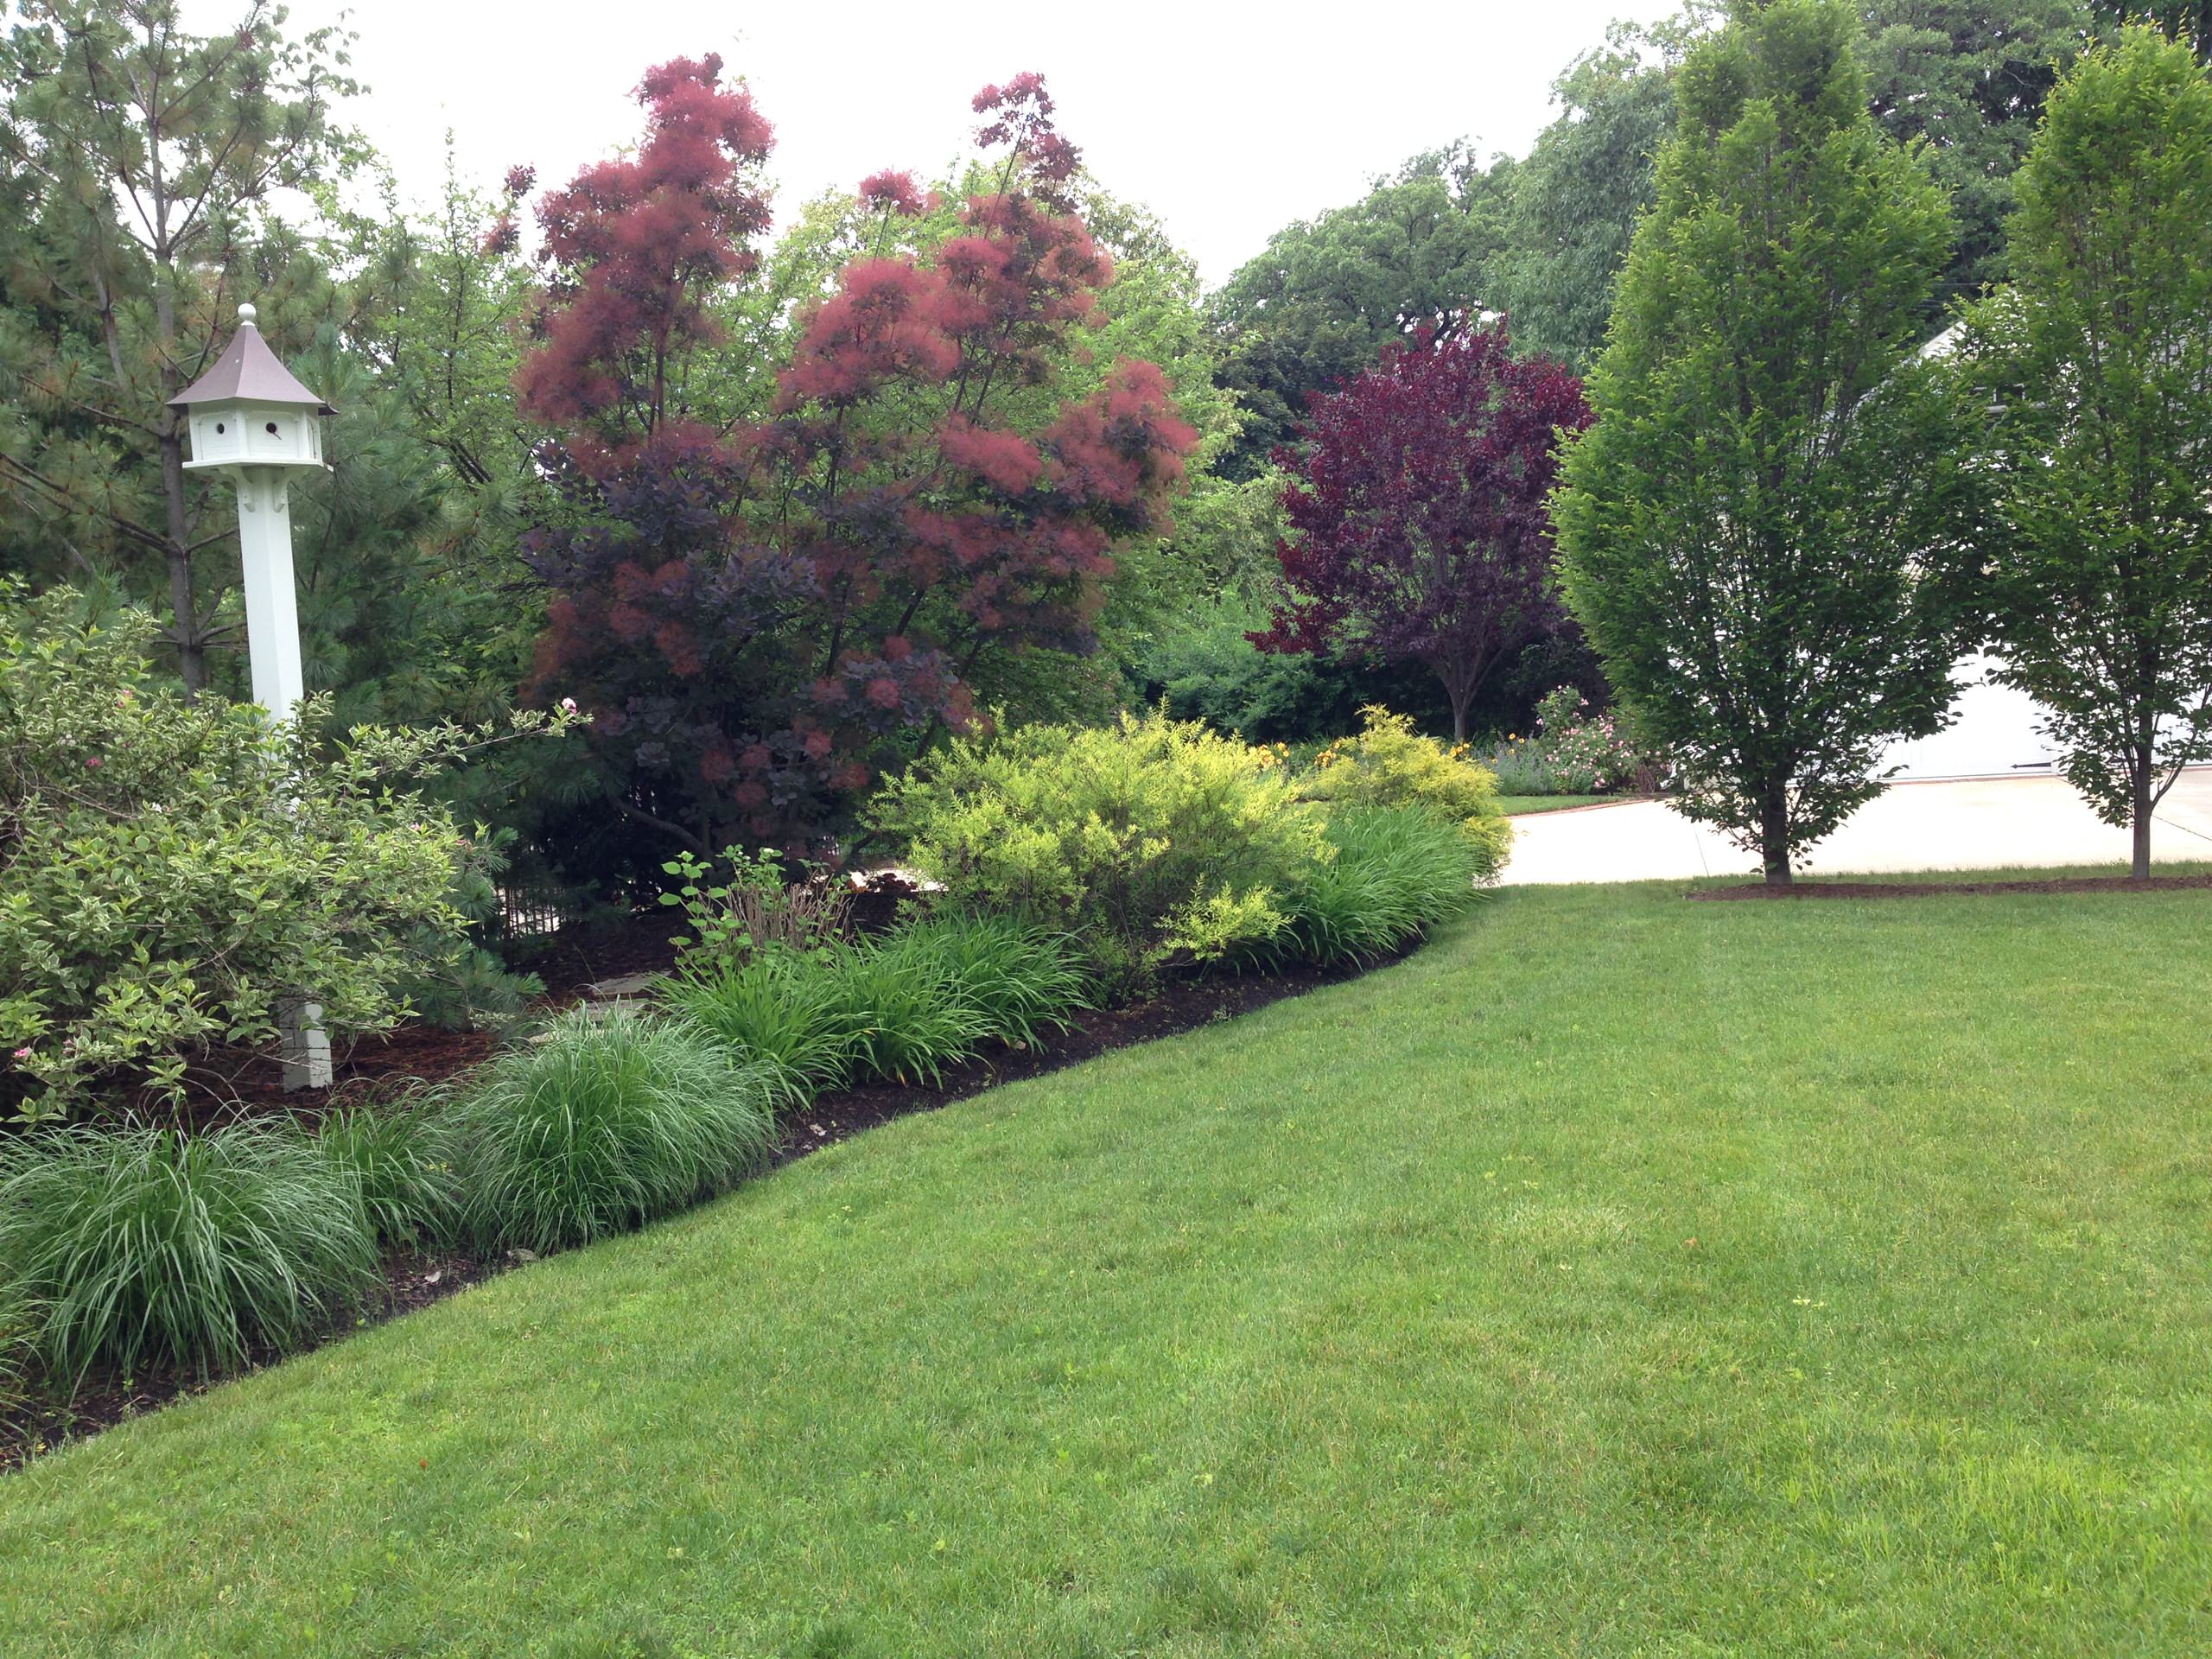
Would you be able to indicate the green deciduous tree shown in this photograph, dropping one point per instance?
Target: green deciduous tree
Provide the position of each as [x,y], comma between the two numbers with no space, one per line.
[1745,528]
[2102,357]
[1573,202]
[1968,77]
[2187,21]
[1316,307]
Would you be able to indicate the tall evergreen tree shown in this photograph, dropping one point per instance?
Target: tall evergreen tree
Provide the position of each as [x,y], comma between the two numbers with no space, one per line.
[145,156]
[2101,356]
[1746,529]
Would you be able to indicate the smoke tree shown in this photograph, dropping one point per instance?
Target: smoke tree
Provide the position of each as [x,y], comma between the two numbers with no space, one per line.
[764,608]
[2100,357]
[1418,529]
[1753,531]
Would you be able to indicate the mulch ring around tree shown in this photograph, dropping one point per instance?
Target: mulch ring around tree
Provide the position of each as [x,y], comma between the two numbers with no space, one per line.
[1936,889]
[415,1279]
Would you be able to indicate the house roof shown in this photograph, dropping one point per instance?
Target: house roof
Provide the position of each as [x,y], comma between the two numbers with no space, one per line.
[248,371]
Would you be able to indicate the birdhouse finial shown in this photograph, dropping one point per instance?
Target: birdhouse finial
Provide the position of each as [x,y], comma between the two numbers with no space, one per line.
[246,314]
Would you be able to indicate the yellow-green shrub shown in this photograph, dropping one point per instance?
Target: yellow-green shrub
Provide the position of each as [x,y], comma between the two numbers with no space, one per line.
[1152,839]
[1390,764]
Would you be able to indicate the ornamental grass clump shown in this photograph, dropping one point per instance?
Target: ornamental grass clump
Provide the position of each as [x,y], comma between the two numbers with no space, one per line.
[142,1246]
[1397,871]
[903,1007]
[905,1014]
[1156,840]
[401,1156]
[603,1125]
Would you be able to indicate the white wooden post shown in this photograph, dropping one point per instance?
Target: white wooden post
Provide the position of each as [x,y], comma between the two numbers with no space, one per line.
[250,418]
[272,617]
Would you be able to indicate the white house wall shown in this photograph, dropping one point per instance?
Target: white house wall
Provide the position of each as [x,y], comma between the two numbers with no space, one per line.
[1994,734]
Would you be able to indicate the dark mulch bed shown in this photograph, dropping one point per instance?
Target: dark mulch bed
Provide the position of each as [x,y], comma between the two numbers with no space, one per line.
[1933,889]
[414,1279]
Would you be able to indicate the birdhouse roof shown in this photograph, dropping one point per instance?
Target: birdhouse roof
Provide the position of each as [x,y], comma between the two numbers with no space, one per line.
[249,372]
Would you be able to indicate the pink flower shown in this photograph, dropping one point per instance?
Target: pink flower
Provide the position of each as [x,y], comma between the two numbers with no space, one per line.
[893,191]
[22,1053]
[94,761]
[567,705]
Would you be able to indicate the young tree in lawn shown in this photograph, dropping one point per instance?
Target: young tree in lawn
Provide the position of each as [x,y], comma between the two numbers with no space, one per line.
[764,611]
[1750,529]
[1418,529]
[2101,358]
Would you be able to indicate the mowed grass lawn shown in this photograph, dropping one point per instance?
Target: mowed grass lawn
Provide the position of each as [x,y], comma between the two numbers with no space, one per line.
[1520,806]
[1619,1275]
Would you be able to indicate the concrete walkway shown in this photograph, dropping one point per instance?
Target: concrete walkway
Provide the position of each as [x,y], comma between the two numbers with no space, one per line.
[1978,823]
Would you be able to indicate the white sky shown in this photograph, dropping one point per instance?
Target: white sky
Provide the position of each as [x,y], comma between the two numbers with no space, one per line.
[1227,120]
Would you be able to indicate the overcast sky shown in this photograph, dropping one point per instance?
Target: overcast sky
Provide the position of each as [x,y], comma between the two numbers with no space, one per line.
[1227,120]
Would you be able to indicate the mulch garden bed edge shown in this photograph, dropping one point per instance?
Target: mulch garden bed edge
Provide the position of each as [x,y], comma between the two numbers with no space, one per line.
[415,1279]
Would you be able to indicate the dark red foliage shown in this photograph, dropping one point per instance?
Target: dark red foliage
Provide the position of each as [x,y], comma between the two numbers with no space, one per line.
[760,620]
[1419,525]
[634,247]
[893,192]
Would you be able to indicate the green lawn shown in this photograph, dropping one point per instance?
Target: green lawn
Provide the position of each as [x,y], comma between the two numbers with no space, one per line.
[1619,1275]
[1517,806]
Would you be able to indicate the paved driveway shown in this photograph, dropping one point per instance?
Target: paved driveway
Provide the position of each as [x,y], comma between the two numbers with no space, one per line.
[1971,824]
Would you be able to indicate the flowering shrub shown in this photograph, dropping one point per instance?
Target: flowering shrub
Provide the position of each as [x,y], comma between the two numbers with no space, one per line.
[1153,839]
[1388,764]
[174,868]
[1570,754]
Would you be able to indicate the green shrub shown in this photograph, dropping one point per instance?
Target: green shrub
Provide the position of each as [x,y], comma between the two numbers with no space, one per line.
[601,1125]
[1397,871]
[754,909]
[1021,980]
[1204,666]
[141,1245]
[1388,764]
[401,1157]
[174,870]
[1522,766]
[781,1011]
[1156,839]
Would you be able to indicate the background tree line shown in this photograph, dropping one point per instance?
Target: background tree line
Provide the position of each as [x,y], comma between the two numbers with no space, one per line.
[804,432]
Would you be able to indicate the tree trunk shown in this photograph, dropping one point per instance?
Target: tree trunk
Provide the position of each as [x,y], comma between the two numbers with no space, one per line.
[2139,816]
[1458,685]
[1774,834]
[191,646]
[168,437]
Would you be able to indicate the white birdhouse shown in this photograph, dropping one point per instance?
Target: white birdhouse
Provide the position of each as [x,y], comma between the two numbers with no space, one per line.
[249,411]
[249,417]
